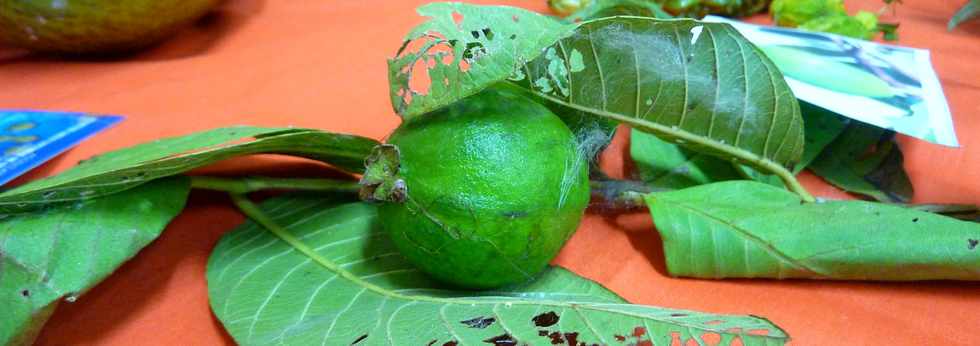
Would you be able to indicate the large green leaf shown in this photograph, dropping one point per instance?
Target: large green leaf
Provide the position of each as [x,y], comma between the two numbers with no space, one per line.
[698,84]
[701,85]
[126,168]
[969,11]
[350,286]
[751,230]
[62,251]
[865,159]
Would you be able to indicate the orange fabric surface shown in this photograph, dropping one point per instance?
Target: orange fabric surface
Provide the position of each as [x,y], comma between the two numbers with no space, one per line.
[322,64]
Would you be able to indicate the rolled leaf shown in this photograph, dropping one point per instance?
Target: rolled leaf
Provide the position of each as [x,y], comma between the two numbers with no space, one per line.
[351,287]
[969,11]
[130,167]
[744,229]
[60,252]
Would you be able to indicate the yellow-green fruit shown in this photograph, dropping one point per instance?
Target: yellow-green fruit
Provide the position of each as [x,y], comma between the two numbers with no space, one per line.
[567,7]
[857,27]
[828,74]
[486,192]
[94,26]
[792,13]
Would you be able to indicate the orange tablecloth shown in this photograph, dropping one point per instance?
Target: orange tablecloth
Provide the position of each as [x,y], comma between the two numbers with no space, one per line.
[321,64]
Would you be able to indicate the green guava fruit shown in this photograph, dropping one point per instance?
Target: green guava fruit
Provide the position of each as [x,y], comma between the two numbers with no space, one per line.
[792,13]
[94,26]
[482,193]
[864,25]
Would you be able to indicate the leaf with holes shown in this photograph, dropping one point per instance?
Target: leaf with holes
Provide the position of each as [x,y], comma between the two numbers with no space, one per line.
[463,49]
[865,159]
[348,285]
[969,11]
[62,251]
[127,168]
[747,229]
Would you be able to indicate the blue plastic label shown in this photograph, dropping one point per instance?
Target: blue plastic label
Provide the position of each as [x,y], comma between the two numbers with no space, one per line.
[29,138]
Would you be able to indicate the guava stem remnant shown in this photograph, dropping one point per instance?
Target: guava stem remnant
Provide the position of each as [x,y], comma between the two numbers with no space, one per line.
[245,185]
[620,196]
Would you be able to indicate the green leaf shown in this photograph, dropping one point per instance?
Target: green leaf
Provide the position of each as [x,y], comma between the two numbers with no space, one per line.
[463,49]
[701,85]
[969,11]
[60,252]
[865,159]
[665,165]
[127,168]
[822,127]
[357,289]
[746,229]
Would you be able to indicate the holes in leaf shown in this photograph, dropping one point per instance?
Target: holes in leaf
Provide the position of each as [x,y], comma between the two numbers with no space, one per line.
[418,80]
[25,293]
[457,18]
[711,339]
[474,50]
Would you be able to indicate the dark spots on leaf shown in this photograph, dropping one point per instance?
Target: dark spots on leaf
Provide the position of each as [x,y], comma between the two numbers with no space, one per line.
[515,214]
[431,342]
[361,338]
[556,338]
[451,343]
[547,319]
[488,33]
[513,36]
[475,33]
[479,322]
[645,343]
[571,338]
[620,338]
[25,293]
[639,332]
[542,332]
[692,106]
[515,18]
[915,220]
[972,243]
[678,315]
[502,340]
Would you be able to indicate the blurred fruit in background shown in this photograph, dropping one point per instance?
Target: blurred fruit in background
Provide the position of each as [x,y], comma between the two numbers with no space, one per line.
[95,26]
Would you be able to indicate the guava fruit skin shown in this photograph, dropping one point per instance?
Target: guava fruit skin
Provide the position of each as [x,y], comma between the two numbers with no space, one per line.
[94,26]
[484,178]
